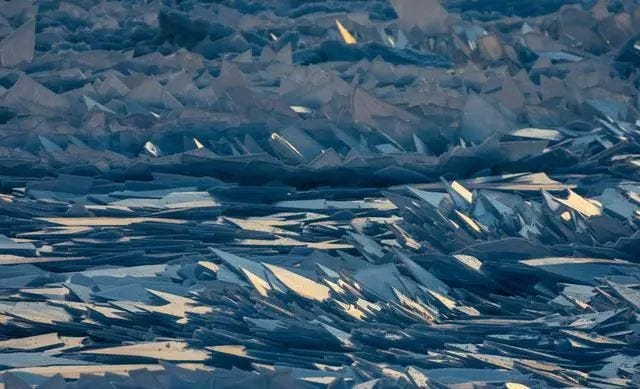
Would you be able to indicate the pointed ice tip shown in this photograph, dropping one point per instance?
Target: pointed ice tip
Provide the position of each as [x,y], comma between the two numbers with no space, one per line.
[197,143]
[346,35]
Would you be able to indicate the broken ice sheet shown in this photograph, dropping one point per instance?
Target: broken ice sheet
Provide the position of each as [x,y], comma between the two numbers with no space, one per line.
[18,46]
[170,351]
[10,246]
[427,15]
[200,194]
[26,95]
[538,133]
[482,118]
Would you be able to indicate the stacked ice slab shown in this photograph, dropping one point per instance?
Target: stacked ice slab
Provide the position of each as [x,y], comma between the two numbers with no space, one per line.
[326,194]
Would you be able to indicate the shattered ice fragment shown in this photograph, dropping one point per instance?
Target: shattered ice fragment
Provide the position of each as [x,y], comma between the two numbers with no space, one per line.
[18,46]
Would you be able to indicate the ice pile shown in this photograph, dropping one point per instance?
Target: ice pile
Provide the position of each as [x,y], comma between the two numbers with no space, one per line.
[370,194]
